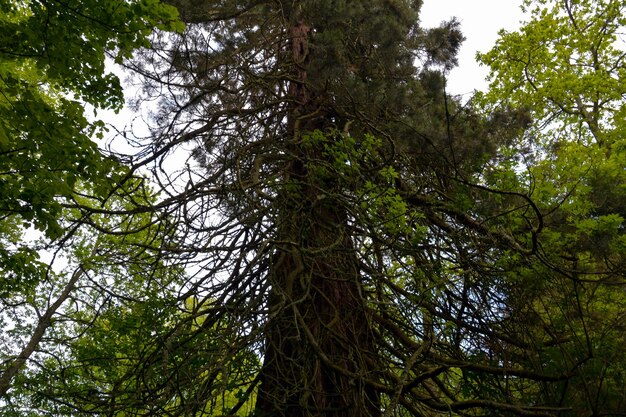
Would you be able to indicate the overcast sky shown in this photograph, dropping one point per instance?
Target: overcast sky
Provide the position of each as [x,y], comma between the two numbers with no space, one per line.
[480,22]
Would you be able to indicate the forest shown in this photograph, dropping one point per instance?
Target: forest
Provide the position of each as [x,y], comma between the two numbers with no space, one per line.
[300,221]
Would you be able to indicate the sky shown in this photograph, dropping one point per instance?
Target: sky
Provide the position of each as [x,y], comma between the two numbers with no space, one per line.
[480,22]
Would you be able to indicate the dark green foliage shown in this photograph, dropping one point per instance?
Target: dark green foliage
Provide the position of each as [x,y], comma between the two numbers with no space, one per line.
[335,190]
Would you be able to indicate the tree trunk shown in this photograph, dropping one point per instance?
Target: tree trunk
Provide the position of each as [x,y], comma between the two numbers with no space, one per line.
[319,344]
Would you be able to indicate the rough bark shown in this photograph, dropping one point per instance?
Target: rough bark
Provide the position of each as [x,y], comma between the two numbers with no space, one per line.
[319,344]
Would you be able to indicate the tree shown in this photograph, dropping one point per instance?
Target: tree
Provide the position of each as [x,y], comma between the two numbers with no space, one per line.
[328,232]
[333,202]
[51,55]
[564,67]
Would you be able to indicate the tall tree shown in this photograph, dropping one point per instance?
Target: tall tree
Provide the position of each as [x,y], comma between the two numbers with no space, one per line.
[332,203]
[331,233]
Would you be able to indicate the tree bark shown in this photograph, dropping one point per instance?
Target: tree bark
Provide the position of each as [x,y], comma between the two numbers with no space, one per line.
[44,322]
[319,344]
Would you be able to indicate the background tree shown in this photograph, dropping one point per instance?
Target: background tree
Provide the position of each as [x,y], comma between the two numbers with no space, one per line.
[565,68]
[52,55]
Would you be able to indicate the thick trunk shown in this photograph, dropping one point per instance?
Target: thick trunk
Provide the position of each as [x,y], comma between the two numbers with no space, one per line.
[319,342]
[318,338]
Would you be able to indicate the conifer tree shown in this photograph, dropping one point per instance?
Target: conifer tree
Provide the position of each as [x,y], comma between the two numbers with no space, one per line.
[330,204]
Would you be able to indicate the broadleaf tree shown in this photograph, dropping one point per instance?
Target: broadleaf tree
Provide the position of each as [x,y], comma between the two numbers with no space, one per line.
[565,69]
[52,63]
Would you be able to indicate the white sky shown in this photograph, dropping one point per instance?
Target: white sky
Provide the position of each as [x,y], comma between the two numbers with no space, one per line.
[480,22]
